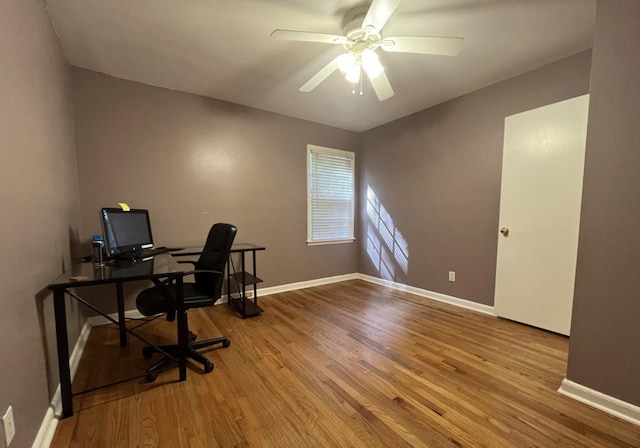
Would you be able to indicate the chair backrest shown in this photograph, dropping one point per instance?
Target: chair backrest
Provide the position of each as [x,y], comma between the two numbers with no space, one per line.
[214,256]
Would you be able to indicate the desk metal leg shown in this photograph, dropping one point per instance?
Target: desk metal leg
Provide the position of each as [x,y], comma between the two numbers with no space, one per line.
[229,280]
[244,287]
[183,330]
[122,323]
[255,273]
[63,352]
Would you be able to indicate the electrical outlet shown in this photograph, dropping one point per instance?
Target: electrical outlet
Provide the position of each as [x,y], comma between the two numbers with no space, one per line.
[452,276]
[9,426]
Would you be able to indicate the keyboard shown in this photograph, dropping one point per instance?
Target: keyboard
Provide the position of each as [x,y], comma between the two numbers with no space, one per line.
[144,253]
[140,255]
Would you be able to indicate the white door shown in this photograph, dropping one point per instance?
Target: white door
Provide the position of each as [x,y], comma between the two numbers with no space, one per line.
[542,170]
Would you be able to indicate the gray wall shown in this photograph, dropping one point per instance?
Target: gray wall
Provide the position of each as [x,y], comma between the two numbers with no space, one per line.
[40,216]
[194,161]
[437,173]
[604,352]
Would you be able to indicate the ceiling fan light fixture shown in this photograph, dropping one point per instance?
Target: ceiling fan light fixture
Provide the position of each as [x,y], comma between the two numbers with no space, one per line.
[371,63]
[346,62]
[349,64]
[353,75]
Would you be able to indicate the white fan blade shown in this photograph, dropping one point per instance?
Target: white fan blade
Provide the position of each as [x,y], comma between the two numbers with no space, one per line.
[446,46]
[323,74]
[381,85]
[304,36]
[378,14]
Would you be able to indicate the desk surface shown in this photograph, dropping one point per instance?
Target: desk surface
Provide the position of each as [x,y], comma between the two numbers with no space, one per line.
[237,247]
[162,265]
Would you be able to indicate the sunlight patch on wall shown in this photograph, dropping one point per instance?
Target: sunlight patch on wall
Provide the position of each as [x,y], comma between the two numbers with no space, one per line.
[386,246]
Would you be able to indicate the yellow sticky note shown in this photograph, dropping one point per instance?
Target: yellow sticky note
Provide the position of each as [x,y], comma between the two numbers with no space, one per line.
[124,206]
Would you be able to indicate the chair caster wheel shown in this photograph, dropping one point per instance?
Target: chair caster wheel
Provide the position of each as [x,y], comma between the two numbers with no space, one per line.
[208,367]
[151,377]
[192,337]
[226,344]
[147,352]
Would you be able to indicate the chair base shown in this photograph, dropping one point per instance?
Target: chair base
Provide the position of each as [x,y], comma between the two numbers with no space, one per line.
[152,372]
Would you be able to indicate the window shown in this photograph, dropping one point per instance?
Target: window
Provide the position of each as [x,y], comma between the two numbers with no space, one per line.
[330,198]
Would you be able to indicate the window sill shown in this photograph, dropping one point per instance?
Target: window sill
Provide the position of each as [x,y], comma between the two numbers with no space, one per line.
[325,242]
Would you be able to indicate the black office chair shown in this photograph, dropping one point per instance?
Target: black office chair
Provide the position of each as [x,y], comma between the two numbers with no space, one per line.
[209,277]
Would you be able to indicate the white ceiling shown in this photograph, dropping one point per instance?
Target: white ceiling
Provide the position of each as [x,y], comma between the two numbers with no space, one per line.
[221,49]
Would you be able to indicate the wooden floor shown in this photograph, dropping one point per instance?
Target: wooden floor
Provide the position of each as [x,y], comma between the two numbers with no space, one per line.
[350,364]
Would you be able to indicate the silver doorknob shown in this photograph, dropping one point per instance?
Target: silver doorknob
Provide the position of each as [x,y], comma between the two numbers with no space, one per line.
[505,231]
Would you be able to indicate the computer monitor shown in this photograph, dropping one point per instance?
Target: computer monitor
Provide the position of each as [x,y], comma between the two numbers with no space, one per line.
[126,232]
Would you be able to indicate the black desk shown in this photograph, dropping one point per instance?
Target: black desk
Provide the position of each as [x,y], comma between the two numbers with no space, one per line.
[161,267]
[241,279]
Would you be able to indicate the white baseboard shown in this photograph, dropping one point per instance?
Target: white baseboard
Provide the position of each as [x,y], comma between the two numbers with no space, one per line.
[610,405]
[486,309]
[50,422]
[463,303]
[47,429]
[307,284]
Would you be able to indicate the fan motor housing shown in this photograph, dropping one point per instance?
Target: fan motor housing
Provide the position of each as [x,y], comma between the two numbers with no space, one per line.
[353,19]
[352,28]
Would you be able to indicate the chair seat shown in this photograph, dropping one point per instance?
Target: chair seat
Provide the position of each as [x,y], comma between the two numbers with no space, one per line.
[159,299]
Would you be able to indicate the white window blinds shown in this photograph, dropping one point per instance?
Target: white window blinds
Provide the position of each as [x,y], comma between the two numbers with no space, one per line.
[331,178]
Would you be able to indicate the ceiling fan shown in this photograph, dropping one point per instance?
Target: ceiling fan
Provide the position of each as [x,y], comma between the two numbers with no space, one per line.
[362,29]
